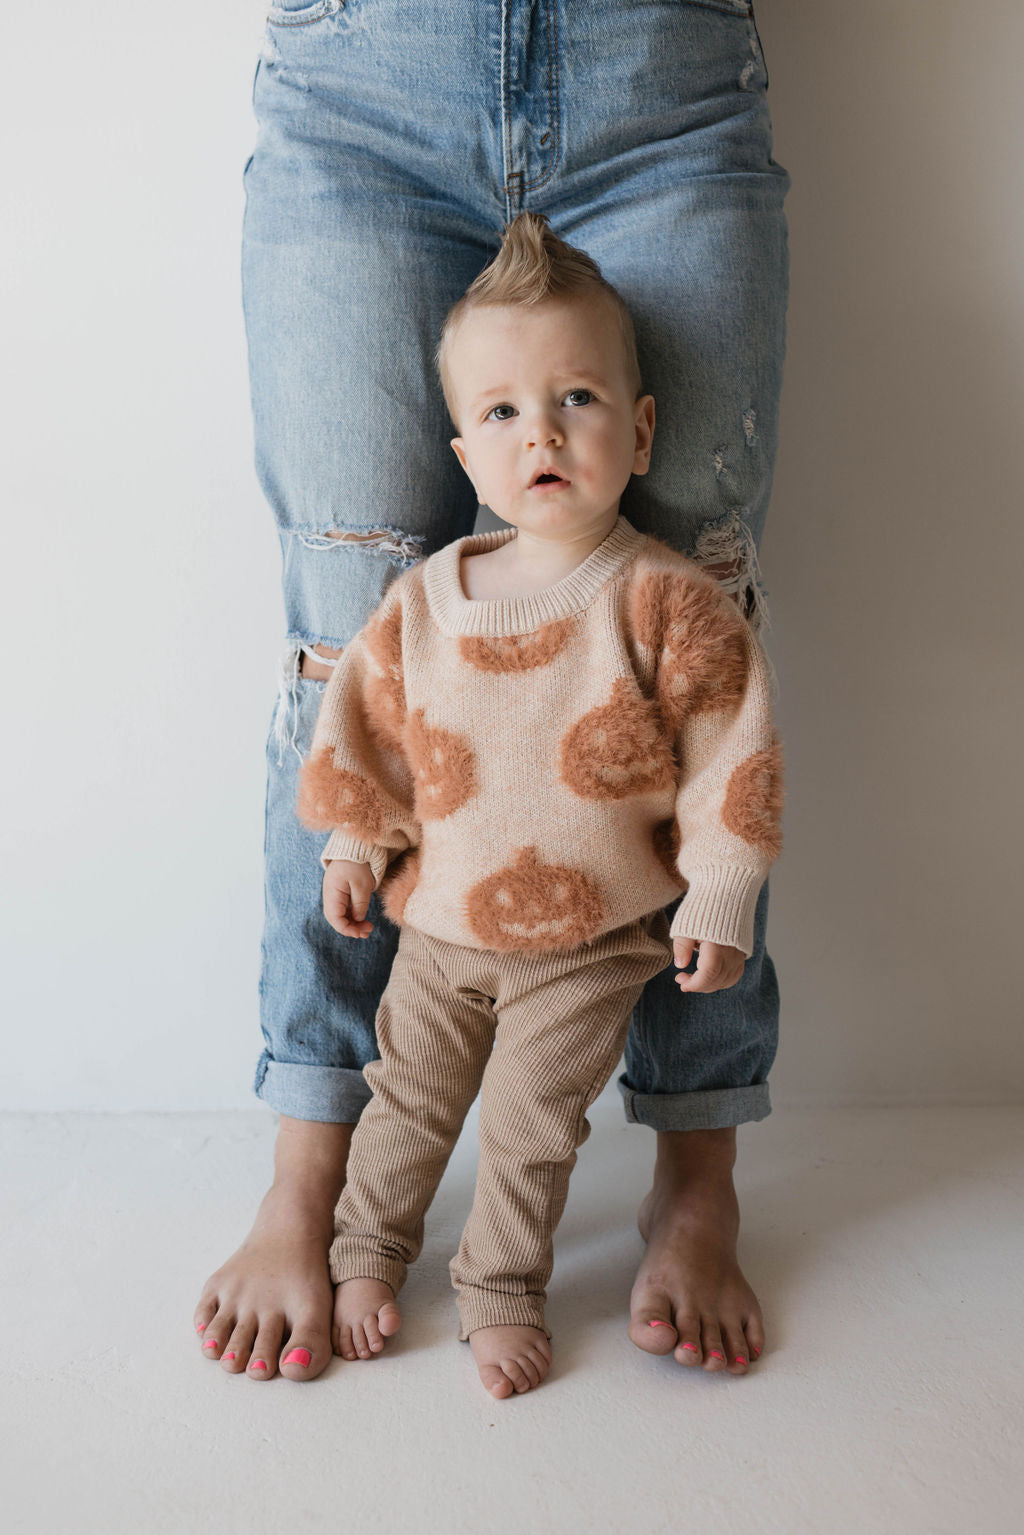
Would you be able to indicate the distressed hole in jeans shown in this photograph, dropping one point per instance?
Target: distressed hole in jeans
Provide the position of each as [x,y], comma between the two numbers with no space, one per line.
[727,551]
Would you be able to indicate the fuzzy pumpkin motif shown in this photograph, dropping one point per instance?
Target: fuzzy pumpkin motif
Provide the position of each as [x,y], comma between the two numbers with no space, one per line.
[754,796]
[516,652]
[667,841]
[533,905]
[331,797]
[698,637]
[384,687]
[443,765]
[618,749]
[400,880]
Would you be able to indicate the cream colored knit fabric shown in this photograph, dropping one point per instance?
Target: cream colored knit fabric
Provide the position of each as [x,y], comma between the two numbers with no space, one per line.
[526,773]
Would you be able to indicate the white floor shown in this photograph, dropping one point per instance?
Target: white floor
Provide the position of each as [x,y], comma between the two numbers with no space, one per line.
[887,1247]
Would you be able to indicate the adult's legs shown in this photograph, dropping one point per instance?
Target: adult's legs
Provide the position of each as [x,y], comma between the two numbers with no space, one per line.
[678,197]
[355,241]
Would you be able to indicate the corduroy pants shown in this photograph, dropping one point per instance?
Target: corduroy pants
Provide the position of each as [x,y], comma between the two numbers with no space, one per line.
[538,1035]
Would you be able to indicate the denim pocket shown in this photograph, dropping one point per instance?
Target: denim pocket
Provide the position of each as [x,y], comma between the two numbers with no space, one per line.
[302,14]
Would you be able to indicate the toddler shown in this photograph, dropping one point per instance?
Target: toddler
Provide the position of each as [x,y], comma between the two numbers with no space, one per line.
[542,736]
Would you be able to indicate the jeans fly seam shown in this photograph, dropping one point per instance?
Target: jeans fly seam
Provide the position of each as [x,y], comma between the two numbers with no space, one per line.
[554,107]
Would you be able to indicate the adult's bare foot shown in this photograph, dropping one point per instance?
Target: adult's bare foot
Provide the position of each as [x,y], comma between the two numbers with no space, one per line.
[273,1299]
[690,1296]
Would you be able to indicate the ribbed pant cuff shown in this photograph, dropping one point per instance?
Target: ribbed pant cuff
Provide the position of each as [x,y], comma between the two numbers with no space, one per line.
[487,1308]
[717,1109]
[348,1259]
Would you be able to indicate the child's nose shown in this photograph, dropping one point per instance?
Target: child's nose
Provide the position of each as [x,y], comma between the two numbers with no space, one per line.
[544,431]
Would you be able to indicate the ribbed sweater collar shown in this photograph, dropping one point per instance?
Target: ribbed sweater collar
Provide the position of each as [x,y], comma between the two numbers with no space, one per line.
[455,613]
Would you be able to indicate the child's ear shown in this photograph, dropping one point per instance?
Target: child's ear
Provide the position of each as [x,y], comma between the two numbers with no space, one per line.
[644,421]
[460,454]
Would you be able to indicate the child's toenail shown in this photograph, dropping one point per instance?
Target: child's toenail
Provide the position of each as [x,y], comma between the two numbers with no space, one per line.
[739,1359]
[232,1355]
[716,1355]
[259,1364]
[201,1327]
[298,1356]
[210,1343]
[692,1346]
[659,1323]
[757,1352]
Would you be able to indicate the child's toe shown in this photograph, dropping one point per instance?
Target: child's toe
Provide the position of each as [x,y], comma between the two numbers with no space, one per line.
[496,1381]
[389,1319]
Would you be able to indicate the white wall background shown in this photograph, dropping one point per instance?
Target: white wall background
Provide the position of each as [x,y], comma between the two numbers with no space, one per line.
[140,573]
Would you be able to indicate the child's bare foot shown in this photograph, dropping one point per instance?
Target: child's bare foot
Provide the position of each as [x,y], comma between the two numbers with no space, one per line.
[690,1297]
[364,1315]
[510,1359]
[272,1299]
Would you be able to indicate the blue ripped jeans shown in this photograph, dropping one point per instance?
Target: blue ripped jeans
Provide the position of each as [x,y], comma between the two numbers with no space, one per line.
[394,140]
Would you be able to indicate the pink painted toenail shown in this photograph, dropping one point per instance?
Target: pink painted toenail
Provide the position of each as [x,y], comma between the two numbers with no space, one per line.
[210,1343]
[231,1355]
[298,1356]
[716,1355]
[691,1345]
[739,1359]
[659,1323]
[757,1352]
[201,1327]
[259,1364]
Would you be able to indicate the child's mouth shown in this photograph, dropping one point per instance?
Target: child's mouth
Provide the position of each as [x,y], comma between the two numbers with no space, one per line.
[549,482]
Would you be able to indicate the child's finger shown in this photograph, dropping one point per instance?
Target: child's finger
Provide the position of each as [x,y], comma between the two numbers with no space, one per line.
[682,950]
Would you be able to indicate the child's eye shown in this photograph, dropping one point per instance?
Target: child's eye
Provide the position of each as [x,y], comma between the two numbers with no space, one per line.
[587,392]
[493,408]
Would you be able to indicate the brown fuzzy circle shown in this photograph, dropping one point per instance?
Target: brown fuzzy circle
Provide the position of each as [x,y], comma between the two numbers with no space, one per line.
[384,689]
[699,637]
[398,883]
[444,767]
[666,841]
[516,652]
[754,797]
[617,749]
[534,906]
[331,797]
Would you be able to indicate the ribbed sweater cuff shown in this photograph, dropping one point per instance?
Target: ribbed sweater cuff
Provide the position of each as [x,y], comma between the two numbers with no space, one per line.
[719,906]
[341,846]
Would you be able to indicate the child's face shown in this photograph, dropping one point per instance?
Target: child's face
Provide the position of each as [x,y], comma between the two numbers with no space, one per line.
[546,389]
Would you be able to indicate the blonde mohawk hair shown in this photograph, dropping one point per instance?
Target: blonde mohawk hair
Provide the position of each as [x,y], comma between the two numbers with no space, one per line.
[533,265]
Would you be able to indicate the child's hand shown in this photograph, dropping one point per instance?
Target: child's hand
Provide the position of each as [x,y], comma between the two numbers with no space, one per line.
[347,890]
[719,965]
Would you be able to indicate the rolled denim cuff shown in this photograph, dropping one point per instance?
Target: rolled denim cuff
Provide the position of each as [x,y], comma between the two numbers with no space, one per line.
[329,1094]
[715,1110]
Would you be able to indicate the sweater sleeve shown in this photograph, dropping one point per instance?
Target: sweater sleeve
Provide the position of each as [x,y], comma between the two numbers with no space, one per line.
[730,786]
[356,782]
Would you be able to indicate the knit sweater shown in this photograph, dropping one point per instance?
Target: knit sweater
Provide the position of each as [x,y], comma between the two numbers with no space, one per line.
[528,772]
